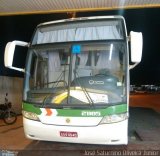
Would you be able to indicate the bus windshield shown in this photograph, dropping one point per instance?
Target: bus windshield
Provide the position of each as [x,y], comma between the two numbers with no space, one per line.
[81,74]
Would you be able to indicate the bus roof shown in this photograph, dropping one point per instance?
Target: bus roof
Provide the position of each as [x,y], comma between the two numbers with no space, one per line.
[80,19]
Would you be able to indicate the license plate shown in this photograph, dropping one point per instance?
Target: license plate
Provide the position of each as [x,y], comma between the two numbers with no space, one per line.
[68,134]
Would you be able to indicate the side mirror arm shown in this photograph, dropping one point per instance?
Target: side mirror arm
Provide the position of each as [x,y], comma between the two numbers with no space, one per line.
[132,66]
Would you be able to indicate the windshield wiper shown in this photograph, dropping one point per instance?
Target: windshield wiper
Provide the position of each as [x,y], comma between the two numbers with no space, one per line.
[55,87]
[44,101]
[84,90]
[59,79]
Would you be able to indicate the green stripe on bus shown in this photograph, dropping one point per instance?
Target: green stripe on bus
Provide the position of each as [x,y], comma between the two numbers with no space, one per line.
[31,108]
[117,109]
[93,112]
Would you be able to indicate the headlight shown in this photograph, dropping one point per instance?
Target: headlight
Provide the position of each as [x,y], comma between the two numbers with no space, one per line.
[30,115]
[114,118]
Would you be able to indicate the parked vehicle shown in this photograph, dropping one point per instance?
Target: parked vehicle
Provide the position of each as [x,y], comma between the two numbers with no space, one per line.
[76,86]
[6,113]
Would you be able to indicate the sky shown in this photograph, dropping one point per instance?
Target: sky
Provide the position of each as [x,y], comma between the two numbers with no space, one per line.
[147,21]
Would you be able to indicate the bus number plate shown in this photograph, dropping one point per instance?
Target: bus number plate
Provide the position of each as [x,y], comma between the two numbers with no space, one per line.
[68,134]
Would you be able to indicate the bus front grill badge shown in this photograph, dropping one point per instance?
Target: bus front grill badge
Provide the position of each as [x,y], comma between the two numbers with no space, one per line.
[68,120]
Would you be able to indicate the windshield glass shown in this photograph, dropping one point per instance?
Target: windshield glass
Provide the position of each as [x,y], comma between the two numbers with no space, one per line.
[91,73]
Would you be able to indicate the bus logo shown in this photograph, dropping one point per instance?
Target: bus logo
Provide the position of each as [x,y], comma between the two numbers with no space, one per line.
[91,82]
[68,120]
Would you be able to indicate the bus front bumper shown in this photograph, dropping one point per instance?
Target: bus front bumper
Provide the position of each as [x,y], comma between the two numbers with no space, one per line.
[111,134]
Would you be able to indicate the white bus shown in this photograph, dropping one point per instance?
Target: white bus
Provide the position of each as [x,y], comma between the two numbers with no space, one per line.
[76,85]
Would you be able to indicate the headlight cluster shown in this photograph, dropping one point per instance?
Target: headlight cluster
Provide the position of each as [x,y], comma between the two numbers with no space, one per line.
[30,115]
[114,118]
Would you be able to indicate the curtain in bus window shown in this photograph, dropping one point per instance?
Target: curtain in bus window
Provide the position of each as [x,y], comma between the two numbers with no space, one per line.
[54,61]
[54,67]
[79,62]
[103,61]
[79,34]
[83,59]
[97,33]
[108,61]
[56,36]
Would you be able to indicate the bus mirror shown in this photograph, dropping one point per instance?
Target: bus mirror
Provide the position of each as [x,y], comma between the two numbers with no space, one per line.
[136,40]
[9,53]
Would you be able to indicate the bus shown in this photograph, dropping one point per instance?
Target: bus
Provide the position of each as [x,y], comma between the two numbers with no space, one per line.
[76,80]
